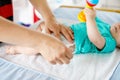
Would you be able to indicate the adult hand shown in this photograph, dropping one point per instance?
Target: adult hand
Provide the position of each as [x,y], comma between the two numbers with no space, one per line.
[53,50]
[52,26]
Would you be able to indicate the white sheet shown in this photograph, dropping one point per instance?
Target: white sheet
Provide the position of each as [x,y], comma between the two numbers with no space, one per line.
[82,67]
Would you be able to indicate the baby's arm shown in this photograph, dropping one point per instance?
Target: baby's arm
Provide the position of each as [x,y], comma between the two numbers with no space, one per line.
[92,31]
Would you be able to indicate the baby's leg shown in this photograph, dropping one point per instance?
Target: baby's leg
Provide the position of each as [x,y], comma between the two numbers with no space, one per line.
[19,50]
[26,50]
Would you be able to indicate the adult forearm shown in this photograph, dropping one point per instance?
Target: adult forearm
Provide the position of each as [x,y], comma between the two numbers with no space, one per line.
[43,8]
[18,35]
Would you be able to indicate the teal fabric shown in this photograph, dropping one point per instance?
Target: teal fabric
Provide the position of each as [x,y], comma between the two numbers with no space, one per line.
[83,44]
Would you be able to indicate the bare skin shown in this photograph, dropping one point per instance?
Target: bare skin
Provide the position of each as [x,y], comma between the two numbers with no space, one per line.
[51,25]
[32,51]
[94,36]
[115,31]
[13,50]
[65,55]
[18,35]
[93,33]
[27,50]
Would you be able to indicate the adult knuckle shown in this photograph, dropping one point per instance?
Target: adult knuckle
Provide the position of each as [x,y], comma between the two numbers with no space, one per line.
[52,61]
[67,62]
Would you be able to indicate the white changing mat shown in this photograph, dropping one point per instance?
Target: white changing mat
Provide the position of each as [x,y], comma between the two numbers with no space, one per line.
[82,66]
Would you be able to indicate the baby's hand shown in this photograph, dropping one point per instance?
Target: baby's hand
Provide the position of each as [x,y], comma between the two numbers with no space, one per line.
[90,13]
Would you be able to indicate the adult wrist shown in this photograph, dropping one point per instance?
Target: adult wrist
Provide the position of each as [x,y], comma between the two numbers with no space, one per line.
[49,18]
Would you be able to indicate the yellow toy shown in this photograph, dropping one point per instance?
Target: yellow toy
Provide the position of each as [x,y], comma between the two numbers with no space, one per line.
[90,4]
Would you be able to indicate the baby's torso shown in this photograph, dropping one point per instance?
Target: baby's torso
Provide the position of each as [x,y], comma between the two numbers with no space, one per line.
[82,42]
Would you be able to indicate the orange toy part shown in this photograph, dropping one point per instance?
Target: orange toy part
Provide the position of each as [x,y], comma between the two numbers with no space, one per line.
[81,16]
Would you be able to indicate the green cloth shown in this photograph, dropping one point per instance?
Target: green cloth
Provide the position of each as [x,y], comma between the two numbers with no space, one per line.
[84,45]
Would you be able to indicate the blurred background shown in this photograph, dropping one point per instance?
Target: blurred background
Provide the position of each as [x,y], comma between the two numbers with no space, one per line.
[112,4]
[23,11]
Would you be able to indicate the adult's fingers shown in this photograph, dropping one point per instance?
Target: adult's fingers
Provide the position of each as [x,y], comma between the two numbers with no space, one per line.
[70,32]
[57,34]
[53,62]
[69,55]
[65,60]
[59,61]
[67,34]
[47,30]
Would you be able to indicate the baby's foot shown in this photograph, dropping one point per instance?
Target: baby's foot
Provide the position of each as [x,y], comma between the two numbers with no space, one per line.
[10,50]
[18,50]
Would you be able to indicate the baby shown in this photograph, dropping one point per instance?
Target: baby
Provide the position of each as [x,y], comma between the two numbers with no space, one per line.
[92,36]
